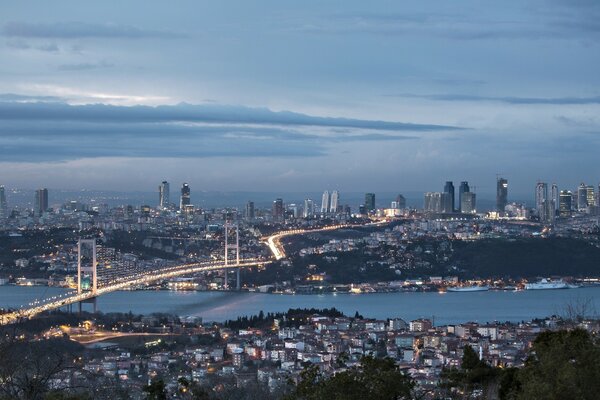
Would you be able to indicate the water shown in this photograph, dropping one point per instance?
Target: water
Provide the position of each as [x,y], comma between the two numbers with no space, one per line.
[446,308]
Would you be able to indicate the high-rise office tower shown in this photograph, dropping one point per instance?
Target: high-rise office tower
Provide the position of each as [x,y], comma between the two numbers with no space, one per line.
[463,188]
[589,195]
[501,194]
[543,204]
[164,195]
[565,203]
[370,201]
[309,208]
[598,196]
[3,204]
[185,196]
[278,210]
[449,197]
[554,198]
[433,202]
[333,204]
[250,211]
[400,201]
[325,202]
[40,202]
[582,197]
[468,203]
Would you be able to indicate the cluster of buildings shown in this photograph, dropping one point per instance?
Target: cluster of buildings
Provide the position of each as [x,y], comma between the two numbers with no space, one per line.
[552,203]
[275,355]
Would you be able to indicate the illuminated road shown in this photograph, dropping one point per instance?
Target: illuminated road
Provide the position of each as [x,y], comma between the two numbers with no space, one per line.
[122,283]
[274,241]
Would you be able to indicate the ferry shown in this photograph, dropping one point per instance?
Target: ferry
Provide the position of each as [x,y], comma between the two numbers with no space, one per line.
[474,288]
[548,284]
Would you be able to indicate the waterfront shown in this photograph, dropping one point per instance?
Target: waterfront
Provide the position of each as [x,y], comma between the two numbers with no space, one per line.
[445,308]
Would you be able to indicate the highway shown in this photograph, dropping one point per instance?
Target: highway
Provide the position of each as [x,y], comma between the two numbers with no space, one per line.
[122,283]
[274,241]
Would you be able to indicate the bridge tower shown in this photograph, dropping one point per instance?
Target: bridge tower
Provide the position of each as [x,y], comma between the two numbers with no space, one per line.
[87,263]
[234,246]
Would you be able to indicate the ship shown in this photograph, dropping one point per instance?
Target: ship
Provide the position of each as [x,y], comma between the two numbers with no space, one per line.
[547,284]
[474,288]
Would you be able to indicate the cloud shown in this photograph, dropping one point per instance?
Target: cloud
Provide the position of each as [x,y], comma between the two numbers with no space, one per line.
[209,113]
[76,30]
[85,66]
[184,131]
[507,99]
[12,97]
[22,45]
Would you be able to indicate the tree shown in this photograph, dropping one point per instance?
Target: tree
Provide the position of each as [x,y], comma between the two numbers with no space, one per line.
[562,365]
[156,390]
[474,374]
[373,379]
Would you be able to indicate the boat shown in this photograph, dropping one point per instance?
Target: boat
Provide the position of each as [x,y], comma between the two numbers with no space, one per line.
[547,284]
[474,288]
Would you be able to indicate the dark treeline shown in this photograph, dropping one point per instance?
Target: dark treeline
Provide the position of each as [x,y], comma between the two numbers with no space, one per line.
[294,317]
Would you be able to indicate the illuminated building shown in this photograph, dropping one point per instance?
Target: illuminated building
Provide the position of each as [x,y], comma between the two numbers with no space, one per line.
[501,194]
[589,195]
[278,210]
[185,196]
[163,195]
[565,203]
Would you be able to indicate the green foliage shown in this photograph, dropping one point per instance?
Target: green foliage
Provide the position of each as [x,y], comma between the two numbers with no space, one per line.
[562,365]
[156,390]
[293,317]
[474,374]
[374,379]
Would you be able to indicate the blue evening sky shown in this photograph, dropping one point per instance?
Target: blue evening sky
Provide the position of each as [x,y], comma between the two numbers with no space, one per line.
[299,95]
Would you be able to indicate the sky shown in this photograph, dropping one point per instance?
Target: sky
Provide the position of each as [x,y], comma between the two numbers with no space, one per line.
[299,96]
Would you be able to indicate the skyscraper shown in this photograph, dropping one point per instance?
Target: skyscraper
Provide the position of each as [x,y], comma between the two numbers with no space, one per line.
[250,211]
[543,204]
[400,201]
[589,195]
[40,202]
[582,197]
[325,202]
[278,210]
[463,188]
[185,196]
[333,204]
[163,195]
[309,208]
[449,197]
[554,198]
[565,203]
[468,203]
[501,194]
[433,202]
[3,204]
[370,202]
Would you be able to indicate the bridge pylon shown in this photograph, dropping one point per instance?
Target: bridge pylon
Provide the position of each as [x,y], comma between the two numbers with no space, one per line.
[234,246]
[87,264]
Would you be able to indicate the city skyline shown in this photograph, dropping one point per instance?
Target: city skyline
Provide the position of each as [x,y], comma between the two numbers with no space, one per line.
[353,97]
